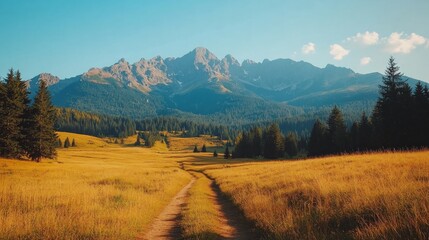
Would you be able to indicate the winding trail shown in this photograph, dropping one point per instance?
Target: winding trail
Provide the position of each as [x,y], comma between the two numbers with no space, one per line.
[232,223]
[166,225]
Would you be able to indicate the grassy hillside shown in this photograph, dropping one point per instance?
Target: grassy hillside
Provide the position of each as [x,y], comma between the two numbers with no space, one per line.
[372,196]
[94,191]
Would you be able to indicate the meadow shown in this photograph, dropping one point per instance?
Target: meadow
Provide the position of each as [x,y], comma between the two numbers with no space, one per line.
[94,191]
[102,190]
[366,196]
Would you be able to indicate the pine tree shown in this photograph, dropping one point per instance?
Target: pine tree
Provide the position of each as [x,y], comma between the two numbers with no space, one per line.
[257,141]
[336,132]
[73,144]
[392,109]
[67,143]
[59,143]
[317,144]
[42,133]
[291,144]
[215,153]
[13,114]
[203,149]
[195,149]
[420,128]
[138,143]
[274,142]
[354,137]
[365,134]
[226,155]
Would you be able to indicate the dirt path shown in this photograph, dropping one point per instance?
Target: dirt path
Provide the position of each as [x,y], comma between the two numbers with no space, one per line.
[233,224]
[166,225]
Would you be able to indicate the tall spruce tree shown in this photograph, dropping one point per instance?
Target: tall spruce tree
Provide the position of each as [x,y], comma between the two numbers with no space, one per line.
[365,133]
[256,141]
[336,131]
[354,137]
[291,144]
[317,145]
[388,116]
[420,120]
[274,142]
[226,154]
[42,134]
[13,114]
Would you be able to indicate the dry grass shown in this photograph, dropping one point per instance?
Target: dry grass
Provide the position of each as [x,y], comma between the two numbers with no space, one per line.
[181,144]
[105,191]
[372,196]
[200,217]
[94,191]
[84,141]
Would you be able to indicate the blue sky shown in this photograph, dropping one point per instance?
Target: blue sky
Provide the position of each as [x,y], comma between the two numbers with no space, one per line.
[66,38]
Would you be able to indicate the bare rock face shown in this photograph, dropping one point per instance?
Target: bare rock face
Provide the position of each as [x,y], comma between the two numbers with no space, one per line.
[49,79]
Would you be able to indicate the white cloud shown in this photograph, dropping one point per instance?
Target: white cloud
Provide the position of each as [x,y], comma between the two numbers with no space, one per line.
[309,48]
[366,38]
[338,52]
[401,43]
[365,61]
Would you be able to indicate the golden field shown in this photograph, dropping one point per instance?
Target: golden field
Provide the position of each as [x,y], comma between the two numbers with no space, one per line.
[101,190]
[200,217]
[94,191]
[371,196]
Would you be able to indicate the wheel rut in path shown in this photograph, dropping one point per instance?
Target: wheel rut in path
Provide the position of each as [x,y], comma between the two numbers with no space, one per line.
[166,225]
[233,223]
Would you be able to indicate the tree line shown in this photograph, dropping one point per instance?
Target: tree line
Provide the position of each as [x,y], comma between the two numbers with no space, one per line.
[267,143]
[399,120]
[26,129]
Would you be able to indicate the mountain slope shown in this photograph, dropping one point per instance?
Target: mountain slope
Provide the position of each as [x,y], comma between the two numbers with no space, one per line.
[200,83]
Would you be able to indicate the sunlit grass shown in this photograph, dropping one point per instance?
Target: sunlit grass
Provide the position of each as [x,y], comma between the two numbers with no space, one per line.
[200,218]
[94,191]
[372,196]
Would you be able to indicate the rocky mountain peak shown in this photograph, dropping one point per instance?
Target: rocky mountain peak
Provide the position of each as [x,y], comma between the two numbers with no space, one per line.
[203,55]
[230,60]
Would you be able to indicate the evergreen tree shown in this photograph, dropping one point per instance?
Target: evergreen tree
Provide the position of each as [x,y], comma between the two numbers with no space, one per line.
[195,149]
[365,134]
[13,114]
[42,134]
[420,120]
[387,116]
[73,143]
[274,142]
[203,149]
[256,141]
[215,153]
[354,137]
[67,143]
[59,143]
[226,155]
[138,143]
[317,144]
[336,132]
[291,144]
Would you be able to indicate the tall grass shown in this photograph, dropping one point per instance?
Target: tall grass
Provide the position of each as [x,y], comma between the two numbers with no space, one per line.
[200,218]
[90,192]
[368,196]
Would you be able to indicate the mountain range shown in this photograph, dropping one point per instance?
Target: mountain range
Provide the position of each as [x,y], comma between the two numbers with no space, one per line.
[199,83]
